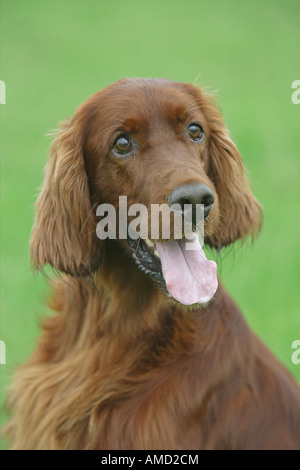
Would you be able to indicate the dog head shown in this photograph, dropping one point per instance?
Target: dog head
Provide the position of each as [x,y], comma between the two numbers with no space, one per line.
[156,142]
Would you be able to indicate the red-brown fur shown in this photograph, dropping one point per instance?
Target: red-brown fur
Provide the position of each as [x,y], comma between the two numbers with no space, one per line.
[120,365]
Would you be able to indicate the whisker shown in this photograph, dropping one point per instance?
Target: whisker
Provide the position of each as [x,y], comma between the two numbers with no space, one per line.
[138,245]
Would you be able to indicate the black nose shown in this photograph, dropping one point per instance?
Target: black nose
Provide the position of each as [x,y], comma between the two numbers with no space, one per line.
[193,194]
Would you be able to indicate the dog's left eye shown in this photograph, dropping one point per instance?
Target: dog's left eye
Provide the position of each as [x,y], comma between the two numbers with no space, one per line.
[122,145]
[196,132]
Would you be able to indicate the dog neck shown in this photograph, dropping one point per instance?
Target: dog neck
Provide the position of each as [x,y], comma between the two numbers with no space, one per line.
[122,305]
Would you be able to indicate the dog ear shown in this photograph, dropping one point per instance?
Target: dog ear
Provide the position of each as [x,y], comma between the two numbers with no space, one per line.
[240,212]
[64,233]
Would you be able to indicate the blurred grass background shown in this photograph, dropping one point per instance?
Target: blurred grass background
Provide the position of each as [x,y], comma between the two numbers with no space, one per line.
[55,54]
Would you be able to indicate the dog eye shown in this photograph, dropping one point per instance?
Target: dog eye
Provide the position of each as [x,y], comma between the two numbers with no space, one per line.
[122,145]
[196,132]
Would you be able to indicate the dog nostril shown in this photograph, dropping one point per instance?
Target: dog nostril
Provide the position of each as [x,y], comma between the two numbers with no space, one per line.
[208,201]
[192,194]
[183,202]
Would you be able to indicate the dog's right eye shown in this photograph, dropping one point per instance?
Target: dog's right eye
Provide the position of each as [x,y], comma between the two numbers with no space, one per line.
[122,145]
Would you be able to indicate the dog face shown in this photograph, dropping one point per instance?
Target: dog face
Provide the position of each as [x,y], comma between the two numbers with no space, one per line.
[151,142]
[156,142]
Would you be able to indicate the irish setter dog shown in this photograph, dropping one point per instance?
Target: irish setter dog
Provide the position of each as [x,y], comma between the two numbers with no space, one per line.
[146,350]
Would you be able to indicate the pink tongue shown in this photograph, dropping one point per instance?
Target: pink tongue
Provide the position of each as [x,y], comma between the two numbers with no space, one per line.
[190,277]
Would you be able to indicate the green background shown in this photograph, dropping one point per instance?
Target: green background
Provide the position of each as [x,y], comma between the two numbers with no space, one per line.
[55,54]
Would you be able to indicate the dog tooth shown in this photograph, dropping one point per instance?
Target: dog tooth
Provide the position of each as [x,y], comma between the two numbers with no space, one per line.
[149,242]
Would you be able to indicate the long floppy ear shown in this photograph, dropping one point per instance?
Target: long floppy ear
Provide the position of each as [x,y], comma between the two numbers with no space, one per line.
[64,233]
[240,212]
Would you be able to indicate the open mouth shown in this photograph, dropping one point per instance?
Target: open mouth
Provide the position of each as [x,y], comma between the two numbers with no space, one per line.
[180,266]
[146,256]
